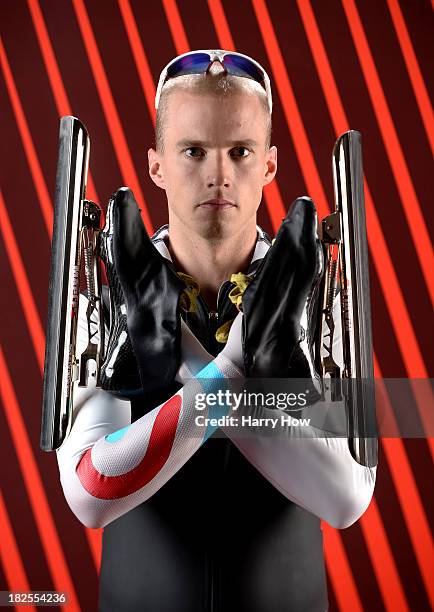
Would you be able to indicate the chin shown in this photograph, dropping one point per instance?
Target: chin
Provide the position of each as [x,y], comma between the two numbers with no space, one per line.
[216,229]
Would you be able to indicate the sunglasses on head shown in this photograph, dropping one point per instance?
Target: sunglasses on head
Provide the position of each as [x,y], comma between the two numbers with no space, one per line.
[199,62]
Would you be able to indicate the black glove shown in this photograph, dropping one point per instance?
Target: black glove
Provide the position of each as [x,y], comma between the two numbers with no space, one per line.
[144,293]
[284,284]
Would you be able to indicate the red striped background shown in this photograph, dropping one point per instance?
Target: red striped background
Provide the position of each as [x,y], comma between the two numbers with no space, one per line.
[335,65]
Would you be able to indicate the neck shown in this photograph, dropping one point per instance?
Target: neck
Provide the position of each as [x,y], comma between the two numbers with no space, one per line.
[211,262]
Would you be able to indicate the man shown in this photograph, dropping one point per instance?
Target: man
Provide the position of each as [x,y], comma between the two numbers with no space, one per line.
[192,523]
[213,158]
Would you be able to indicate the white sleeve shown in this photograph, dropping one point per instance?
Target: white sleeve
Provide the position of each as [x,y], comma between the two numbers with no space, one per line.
[109,465]
[316,472]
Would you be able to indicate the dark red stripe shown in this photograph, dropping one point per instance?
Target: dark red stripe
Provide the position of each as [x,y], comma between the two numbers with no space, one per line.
[419,19]
[389,581]
[159,448]
[10,554]
[391,507]
[198,25]
[415,147]
[245,30]
[158,47]
[3,583]
[413,69]
[156,196]
[78,81]
[283,83]
[272,196]
[45,521]
[221,25]
[247,37]
[30,314]
[404,183]
[339,571]
[333,604]
[395,80]
[406,491]
[361,565]
[117,134]
[57,87]
[177,28]
[22,284]
[40,110]
[340,123]
[131,104]
[22,201]
[385,271]
[357,104]
[21,516]
[28,389]
[141,61]
[307,88]
[45,204]
[420,459]
[384,328]
[155,34]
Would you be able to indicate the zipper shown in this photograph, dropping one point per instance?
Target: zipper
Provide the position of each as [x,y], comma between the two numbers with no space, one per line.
[219,291]
[223,292]
[209,583]
[213,569]
[212,597]
[213,318]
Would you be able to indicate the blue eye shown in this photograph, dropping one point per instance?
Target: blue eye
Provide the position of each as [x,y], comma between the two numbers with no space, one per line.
[240,152]
[195,152]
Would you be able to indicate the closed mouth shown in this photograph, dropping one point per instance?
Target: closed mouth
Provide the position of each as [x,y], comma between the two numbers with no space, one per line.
[217,203]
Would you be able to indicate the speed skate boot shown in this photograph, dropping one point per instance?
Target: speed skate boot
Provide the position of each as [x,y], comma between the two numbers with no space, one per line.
[144,346]
[119,373]
[279,303]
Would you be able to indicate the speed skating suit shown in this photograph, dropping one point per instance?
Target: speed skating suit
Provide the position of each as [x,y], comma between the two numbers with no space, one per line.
[199,523]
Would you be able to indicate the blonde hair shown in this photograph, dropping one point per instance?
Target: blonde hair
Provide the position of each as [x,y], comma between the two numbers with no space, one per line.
[211,83]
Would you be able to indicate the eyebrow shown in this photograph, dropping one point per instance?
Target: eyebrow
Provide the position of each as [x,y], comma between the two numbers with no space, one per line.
[202,143]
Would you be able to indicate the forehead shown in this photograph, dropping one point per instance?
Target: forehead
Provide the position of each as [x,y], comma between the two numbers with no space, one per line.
[198,116]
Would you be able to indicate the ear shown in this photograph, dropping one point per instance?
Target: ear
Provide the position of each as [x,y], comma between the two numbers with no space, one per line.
[155,168]
[270,165]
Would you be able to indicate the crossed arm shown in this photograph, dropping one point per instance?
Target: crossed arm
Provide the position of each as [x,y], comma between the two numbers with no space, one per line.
[109,465]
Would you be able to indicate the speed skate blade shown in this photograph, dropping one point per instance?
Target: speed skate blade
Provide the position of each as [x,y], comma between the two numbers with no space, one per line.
[64,282]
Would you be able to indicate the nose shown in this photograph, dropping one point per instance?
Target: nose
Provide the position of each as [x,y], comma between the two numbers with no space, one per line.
[219,174]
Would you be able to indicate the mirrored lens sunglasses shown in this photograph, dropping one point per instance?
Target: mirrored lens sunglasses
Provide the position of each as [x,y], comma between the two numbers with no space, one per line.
[199,62]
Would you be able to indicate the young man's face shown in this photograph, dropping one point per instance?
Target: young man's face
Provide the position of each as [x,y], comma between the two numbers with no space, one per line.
[215,161]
